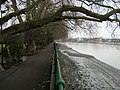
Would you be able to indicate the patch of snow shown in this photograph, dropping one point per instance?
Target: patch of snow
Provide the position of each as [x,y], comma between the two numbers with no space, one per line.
[89,73]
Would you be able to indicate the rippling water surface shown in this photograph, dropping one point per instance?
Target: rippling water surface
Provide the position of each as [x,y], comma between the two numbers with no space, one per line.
[109,54]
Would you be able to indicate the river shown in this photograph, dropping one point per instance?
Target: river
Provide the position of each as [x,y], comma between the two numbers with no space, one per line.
[109,54]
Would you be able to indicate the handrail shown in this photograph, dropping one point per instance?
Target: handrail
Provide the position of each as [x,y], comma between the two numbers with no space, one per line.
[59,82]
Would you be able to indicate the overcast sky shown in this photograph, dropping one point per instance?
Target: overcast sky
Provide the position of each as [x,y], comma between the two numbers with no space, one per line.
[102,31]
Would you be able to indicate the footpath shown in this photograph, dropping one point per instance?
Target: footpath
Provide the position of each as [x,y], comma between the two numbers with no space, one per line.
[33,74]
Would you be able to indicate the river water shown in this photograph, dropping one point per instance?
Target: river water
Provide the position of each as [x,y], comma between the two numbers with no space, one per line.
[109,54]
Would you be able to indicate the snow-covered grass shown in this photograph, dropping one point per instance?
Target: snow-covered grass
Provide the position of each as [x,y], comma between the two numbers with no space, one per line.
[84,72]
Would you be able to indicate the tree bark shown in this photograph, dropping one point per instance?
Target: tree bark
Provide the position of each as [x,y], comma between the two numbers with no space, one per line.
[14,6]
[67,8]
[31,48]
[2,1]
[23,11]
[30,25]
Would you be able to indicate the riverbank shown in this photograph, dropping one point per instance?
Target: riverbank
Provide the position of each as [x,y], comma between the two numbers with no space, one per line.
[84,72]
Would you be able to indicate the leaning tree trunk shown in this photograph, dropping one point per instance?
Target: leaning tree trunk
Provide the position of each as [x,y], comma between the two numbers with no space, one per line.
[31,48]
[1,68]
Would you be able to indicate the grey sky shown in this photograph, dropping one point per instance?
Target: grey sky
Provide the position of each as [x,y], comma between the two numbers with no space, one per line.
[102,31]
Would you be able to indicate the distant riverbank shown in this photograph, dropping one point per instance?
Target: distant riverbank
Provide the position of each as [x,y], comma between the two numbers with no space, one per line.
[84,72]
[108,43]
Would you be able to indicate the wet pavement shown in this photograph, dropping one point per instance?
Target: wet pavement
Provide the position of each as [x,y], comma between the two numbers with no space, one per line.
[33,74]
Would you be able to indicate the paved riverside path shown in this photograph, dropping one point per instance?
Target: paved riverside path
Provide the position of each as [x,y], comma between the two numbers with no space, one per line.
[33,74]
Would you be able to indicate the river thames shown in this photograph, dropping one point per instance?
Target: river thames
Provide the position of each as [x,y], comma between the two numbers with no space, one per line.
[106,53]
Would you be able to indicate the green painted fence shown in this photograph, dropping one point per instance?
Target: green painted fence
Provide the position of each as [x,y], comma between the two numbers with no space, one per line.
[59,82]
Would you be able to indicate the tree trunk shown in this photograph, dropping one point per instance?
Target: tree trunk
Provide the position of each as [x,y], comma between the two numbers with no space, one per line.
[2,59]
[1,68]
[31,48]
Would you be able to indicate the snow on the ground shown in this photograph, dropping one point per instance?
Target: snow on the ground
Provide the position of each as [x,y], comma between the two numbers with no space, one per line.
[84,72]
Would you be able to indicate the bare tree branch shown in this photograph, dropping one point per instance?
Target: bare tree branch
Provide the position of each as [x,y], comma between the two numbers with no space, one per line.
[2,1]
[81,17]
[56,17]
[23,11]
[90,13]
[30,25]
[63,9]
[96,3]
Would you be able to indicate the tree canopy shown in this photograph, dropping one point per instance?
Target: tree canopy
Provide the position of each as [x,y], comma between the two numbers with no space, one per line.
[90,10]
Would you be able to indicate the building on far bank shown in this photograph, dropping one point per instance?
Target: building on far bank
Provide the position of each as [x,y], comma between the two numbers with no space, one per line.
[95,40]
[92,40]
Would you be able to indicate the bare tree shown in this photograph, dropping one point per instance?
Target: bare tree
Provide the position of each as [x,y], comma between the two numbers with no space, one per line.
[87,10]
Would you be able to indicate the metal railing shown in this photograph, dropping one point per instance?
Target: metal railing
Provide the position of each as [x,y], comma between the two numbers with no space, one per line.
[59,82]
